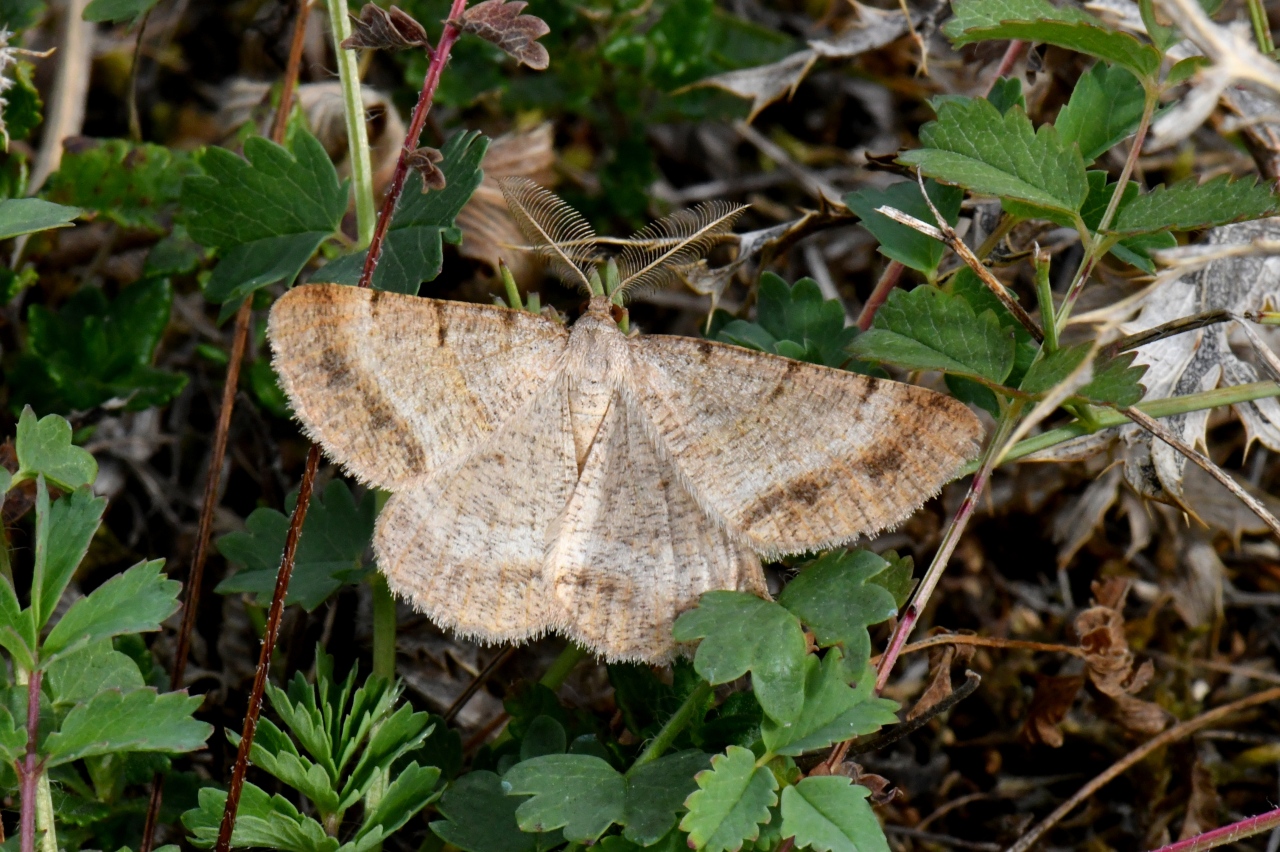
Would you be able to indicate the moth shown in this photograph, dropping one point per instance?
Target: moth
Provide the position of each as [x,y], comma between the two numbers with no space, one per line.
[587,481]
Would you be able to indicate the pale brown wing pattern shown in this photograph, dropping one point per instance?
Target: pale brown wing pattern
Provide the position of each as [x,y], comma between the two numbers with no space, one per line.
[794,456]
[396,387]
[467,545]
[634,550]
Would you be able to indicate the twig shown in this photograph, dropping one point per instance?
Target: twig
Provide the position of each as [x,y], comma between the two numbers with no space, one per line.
[1167,737]
[419,119]
[944,233]
[1205,464]
[972,680]
[1012,54]
[270,634]
[1168,329]
[478,681]
[135,123]
[291,72]
[987,642]
[1227,834]
[888,280]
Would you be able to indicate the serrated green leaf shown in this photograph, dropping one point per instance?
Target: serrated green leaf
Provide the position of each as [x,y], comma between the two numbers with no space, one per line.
[23,110]
[262,820]
[17,626]
[132,185]
[411,791]
[28,215]
[898,242]
[833,711]
[897,580]
[736,721]
[13,738]
[140,720]
[413,251]
[335,537]
[133,602]
[581,794]
[117,10]
[44,448]
[63,532]
[480,817]
[794,321]
[1006,93]
[656,793]
[80,676]
[928,329]
[391,738]
[1105,108]
[833,598]
[266,213]
[972,145]
[93,351]
[831,814]
[1051,370]
[733,798]
[1116,382]
[1188,205]
[742,633]
[1041,21]
[274,753]
[1135,250]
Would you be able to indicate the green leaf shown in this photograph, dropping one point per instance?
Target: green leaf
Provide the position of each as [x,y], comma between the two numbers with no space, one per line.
[972,145]
[140,720]
[544,736]
[391,738]
[1135,250]
[266,214]
[13,738]
[1188,205]
[897,580]
[28,215]
[17,627]
[584,795]
[833,711]
[411,791]
[831,814]
[898,242]
[1105,108]
[132,185]
[117,10]
[44,448]
[1116,382]
[832,596]
[413,251]
[1006,93]
[63,532]
[742,633]
[80,676]
[928,329]
[93,352]
[1053,369]
[133,602]
[480,817]
[656,792]
[794,321]
[274,753]
[733,798]
[264,821]
[23,108]
[1041,21]
[335,536]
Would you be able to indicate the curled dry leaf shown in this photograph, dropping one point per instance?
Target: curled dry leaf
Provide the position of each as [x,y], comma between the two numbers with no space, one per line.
[500,22]
[1109,663]
[1202,805]
[424,161]
[941,658]
[385,29]
[1052,700]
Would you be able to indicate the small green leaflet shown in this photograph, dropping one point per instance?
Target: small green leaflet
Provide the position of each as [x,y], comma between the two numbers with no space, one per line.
[1051,370]
[898,242]
[80,676]
[833,710]
[972,145]
[1135,250]
[410,792]
[741,633]
[834,598]
[795,321]
[1041,21]
[928,329]
[28,215]
[141,720]
[897,579]
[334,539]
[266,212]
[413,251]
[132,185]
[1188,205]
[831,814]
[117,10]
[63,532]
[1006,93]
[733,798]
[1105,108]
[262,820]
[479,816]
[1116,382]
[44,448]
[133,602]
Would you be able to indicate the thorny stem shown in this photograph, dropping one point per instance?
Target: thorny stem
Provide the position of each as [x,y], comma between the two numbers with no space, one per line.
[30,769]
[135,123]
[269,637]
[673,726]
[1166,737]
[419,119]
[1226,834]
[357,129]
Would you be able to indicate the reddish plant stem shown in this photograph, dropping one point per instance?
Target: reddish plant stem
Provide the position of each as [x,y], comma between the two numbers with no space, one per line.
[888,280]
[1227,834]
[291,72]
[29,769]
[1012,54]
[419,119]
[269,637]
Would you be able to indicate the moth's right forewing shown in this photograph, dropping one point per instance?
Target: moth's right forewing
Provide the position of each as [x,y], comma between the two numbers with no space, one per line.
[396,387]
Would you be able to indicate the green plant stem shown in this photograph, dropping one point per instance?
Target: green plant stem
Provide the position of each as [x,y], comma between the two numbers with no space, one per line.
[1261,26]
[384,627]
[673,726]
[559,669]
[1044,295]
[1106,418]
[357,129]
[37,800]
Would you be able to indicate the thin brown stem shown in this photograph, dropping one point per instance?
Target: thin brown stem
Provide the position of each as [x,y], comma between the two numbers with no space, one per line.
[291,72]
[1168,737]
[1168,329]
[986,642]
[972,680]
[270,634]
[135,123]
[478,681]
[29,769]
[888,280]
[1232,833]
[416,123]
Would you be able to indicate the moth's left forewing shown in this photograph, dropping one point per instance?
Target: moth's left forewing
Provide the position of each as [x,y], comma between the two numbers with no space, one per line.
[798,457]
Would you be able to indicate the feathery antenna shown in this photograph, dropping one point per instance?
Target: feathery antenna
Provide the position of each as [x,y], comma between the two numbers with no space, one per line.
[554,230]
[654,253]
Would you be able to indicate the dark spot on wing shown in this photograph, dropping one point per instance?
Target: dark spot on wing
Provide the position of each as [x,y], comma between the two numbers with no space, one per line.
[705,348]
[806,489]
[868,390]
[336,367]
[882,463]
[442,332]
[784,382]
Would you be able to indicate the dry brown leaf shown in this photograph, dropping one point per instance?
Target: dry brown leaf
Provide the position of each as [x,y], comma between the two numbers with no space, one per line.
[1050,704]
[941,658]
[1202,805]
[499,22]
[385,29]
[424,162]
[1109,663]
